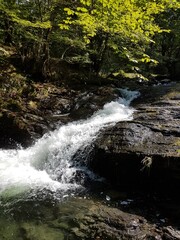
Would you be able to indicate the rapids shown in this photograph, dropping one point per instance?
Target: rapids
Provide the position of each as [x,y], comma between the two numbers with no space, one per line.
[48,164]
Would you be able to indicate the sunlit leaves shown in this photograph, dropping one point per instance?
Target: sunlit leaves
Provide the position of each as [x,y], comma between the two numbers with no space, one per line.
[134,19]
[147,59]
[69,11]
[121,30]
[129,24]
[13,15]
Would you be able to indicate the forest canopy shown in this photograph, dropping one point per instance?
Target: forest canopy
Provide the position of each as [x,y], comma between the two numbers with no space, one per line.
[100,37]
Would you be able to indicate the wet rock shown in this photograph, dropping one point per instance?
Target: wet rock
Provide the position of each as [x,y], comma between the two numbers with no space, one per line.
[170,233]
[12,133]
[39,232]
[43,107]
[79,218]
[92,100]
[98,221]
[33,108]
[146,149]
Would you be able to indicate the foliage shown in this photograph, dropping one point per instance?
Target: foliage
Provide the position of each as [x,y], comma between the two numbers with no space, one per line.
[25,25]
[106,37]
[167,48]
[123,29]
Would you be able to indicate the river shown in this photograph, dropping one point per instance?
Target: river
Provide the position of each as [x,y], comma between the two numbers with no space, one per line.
[46,173]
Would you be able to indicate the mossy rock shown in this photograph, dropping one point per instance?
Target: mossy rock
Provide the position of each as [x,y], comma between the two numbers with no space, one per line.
[32,231]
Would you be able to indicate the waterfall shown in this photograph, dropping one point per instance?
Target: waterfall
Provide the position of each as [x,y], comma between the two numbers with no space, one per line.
[48,164]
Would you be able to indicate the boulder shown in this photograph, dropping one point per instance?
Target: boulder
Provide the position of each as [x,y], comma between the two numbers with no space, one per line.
[103,222]
[91,219]
[82,219]
[146,149]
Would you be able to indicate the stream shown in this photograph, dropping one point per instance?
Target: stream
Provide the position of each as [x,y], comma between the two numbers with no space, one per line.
[35,180]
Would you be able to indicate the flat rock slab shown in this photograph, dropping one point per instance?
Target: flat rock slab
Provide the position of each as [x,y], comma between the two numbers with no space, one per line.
[150,143]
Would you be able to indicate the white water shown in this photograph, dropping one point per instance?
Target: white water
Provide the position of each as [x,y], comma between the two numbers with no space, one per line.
[48,164]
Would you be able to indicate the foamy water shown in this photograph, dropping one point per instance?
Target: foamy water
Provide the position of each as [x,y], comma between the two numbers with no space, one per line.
[49,162]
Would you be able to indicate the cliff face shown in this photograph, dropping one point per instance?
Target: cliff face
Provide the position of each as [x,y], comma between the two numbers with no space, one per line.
[145,150]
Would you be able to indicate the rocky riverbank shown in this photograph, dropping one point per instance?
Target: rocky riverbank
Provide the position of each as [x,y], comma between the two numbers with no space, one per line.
[139,155]
[145,150]
[30,108]
[81,219]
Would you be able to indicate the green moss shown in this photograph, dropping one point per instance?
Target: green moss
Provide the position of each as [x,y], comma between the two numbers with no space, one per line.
[8,230]
[172,94]
[40,232]
[177,142]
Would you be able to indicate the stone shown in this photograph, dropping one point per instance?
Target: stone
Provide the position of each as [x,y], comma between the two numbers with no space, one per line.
[39,232]
[112,223]
[146,149]
[92,219]
[42,107]
[171,234]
